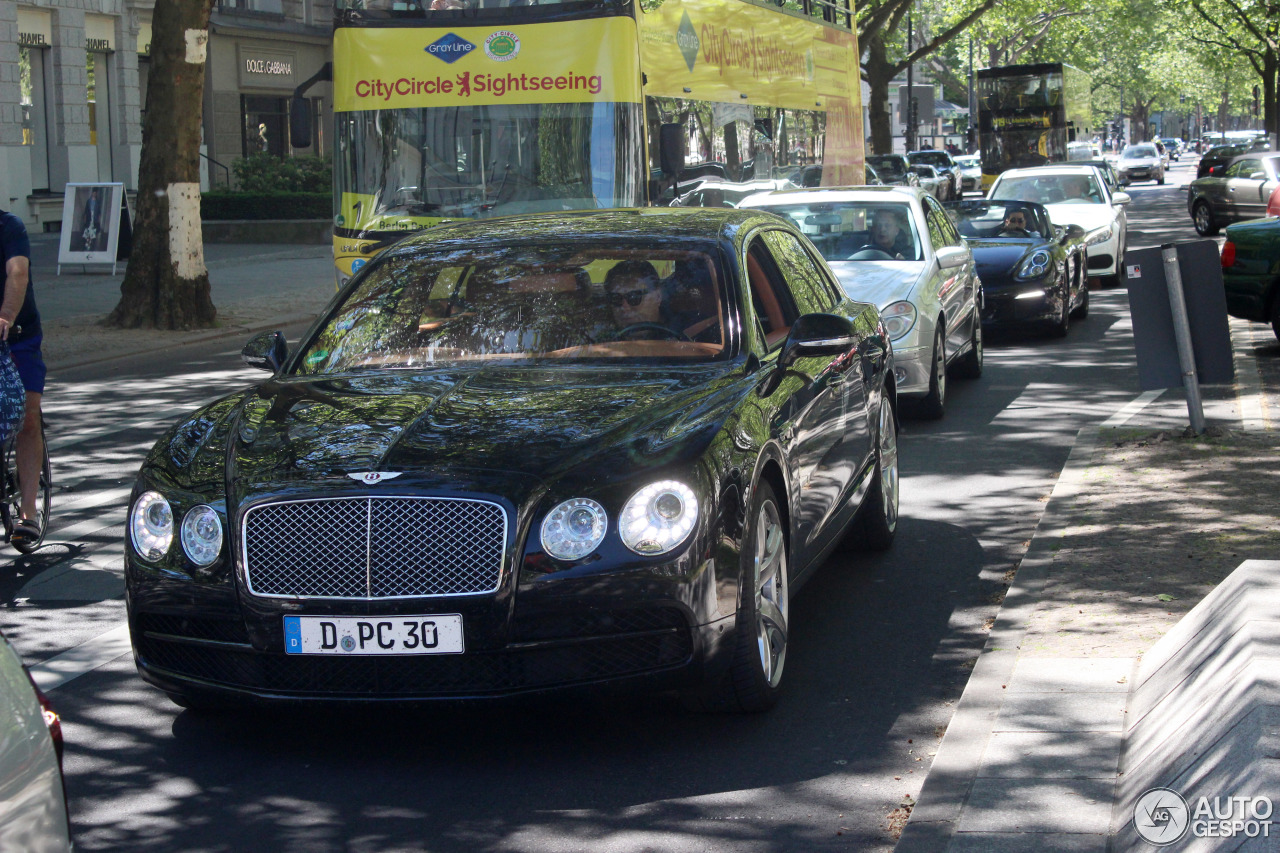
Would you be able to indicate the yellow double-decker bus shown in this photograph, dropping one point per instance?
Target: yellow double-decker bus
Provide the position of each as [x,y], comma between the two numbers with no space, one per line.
[448,109]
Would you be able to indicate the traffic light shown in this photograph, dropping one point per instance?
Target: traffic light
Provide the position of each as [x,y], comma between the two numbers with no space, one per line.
[1256,95]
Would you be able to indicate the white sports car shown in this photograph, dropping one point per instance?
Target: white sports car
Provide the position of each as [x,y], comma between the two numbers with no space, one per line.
[1075,196]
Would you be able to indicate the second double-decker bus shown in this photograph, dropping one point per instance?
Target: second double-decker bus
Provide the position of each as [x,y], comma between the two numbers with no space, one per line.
[447,109]
[1027,114]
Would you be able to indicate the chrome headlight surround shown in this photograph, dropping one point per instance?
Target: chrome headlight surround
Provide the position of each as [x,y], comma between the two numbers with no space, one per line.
[201,535]
[658,518]
[899,318]
[151,526]
[1035,266]
[574,528]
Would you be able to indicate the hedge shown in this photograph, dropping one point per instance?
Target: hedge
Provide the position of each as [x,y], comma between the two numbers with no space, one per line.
[233,205]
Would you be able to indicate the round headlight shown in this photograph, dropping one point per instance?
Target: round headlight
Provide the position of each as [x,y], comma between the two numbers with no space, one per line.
[658,517]
[574,528]
[1036,265]
[151,526]
[898,319]
[201,535]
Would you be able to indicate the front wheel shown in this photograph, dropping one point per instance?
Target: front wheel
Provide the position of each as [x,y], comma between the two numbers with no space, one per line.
[11,509]
[1082,310]
[1058,328]
[934,404]
[1205,222]
[754,680]
[877,520]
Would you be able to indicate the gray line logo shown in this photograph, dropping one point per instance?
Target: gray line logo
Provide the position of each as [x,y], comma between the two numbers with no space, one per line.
[1161,816]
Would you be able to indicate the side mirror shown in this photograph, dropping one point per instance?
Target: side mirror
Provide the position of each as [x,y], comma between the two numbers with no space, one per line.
[299,122]
[266,351]
[1258,176]
[950,257]
[1074,233]
[671,150]
[1121,198]
[817,334]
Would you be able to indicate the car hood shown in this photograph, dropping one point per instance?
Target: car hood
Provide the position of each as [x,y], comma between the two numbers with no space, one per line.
[880,282]
[1139,161]
[1090,217]
[533,421]
[1000,258]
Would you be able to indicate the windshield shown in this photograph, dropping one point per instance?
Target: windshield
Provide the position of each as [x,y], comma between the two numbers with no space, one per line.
[968,161]
[933,158]
[1048,189]
[417,308]
[855,230]
[1135,152]
[993,220]
[406,168]
[1018,148]
[888,167]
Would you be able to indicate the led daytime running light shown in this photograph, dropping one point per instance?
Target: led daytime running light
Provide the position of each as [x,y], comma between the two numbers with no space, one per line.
[658,518]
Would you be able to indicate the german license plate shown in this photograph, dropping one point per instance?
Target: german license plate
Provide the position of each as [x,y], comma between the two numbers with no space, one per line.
[358,635]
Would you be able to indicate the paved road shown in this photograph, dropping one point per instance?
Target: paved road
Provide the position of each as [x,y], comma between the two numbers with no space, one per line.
[881,650]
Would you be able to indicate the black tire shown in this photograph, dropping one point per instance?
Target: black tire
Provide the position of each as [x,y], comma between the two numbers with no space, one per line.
[934,404]
[754,679]
[970,364]
[11,508]
[1206,223]
[1058,328]
[1082,310]
[1160,180]
[1275,315]
[876,523]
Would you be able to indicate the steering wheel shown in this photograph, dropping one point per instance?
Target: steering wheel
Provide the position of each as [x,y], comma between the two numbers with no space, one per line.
[870,253]
[665,331]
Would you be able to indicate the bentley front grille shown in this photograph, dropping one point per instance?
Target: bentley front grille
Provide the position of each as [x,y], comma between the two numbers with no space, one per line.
[374,547]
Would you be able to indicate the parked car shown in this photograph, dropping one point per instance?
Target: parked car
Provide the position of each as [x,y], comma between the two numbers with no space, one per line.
[932,181]
[1232,193]
[1250,260]
[33,809]
[1219,155]
[1141,162]
[1075,195]
[726,193]
[1032,271]
[945,166]
[523,454]
[970,172]
[893,169]
[923,278]
[1083,151]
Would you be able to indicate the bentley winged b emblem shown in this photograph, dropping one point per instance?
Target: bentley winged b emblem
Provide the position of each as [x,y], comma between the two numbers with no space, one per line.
[372,478]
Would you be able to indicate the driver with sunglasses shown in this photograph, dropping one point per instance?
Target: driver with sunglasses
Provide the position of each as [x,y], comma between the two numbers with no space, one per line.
[635,295]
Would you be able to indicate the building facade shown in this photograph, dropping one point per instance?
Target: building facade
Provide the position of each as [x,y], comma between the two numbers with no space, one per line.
[73,84]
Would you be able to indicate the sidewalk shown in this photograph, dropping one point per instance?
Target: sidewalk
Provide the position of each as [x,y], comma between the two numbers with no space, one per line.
[254,287]
[1141,525]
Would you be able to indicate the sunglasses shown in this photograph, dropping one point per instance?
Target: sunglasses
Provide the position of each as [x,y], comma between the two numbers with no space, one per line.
[631,297]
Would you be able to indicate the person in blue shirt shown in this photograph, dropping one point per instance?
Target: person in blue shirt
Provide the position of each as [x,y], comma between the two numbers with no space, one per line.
[20,326]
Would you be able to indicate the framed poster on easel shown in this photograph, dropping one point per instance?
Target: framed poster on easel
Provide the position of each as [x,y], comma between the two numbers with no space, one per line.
[92,216]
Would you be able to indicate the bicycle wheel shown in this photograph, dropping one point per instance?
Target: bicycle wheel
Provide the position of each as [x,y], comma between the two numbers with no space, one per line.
[12,506]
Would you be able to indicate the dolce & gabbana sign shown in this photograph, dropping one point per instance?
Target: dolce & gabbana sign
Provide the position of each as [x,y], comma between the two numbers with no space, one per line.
[269,69]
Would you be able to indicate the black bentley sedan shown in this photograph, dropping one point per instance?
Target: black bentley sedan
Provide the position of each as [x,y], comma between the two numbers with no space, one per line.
[1032,271]
[524,454]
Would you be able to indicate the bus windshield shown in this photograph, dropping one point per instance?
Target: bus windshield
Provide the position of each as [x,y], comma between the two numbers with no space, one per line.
[396,167]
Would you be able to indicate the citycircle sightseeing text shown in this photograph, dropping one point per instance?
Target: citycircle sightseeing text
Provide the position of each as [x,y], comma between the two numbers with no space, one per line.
[466,84]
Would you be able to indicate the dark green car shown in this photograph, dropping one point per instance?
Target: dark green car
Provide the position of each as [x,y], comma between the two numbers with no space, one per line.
[1251,271]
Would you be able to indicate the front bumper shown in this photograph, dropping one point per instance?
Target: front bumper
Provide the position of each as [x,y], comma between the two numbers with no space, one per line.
[911,370]
[1002,307]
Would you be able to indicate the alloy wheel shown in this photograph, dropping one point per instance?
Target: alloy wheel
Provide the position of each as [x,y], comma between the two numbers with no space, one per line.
[772,593]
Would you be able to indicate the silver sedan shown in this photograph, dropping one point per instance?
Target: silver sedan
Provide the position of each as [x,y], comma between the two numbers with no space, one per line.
[896,247]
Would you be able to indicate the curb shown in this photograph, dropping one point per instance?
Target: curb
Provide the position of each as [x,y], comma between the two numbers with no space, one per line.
[946,789]
[203,337]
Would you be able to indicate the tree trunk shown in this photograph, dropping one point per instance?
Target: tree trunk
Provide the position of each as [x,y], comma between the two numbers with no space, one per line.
[166,285]
[879,113]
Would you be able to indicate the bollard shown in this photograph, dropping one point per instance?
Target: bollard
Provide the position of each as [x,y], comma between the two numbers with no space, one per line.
[1182,333]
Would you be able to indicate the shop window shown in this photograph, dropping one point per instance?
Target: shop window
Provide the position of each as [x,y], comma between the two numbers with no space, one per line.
[266,125]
